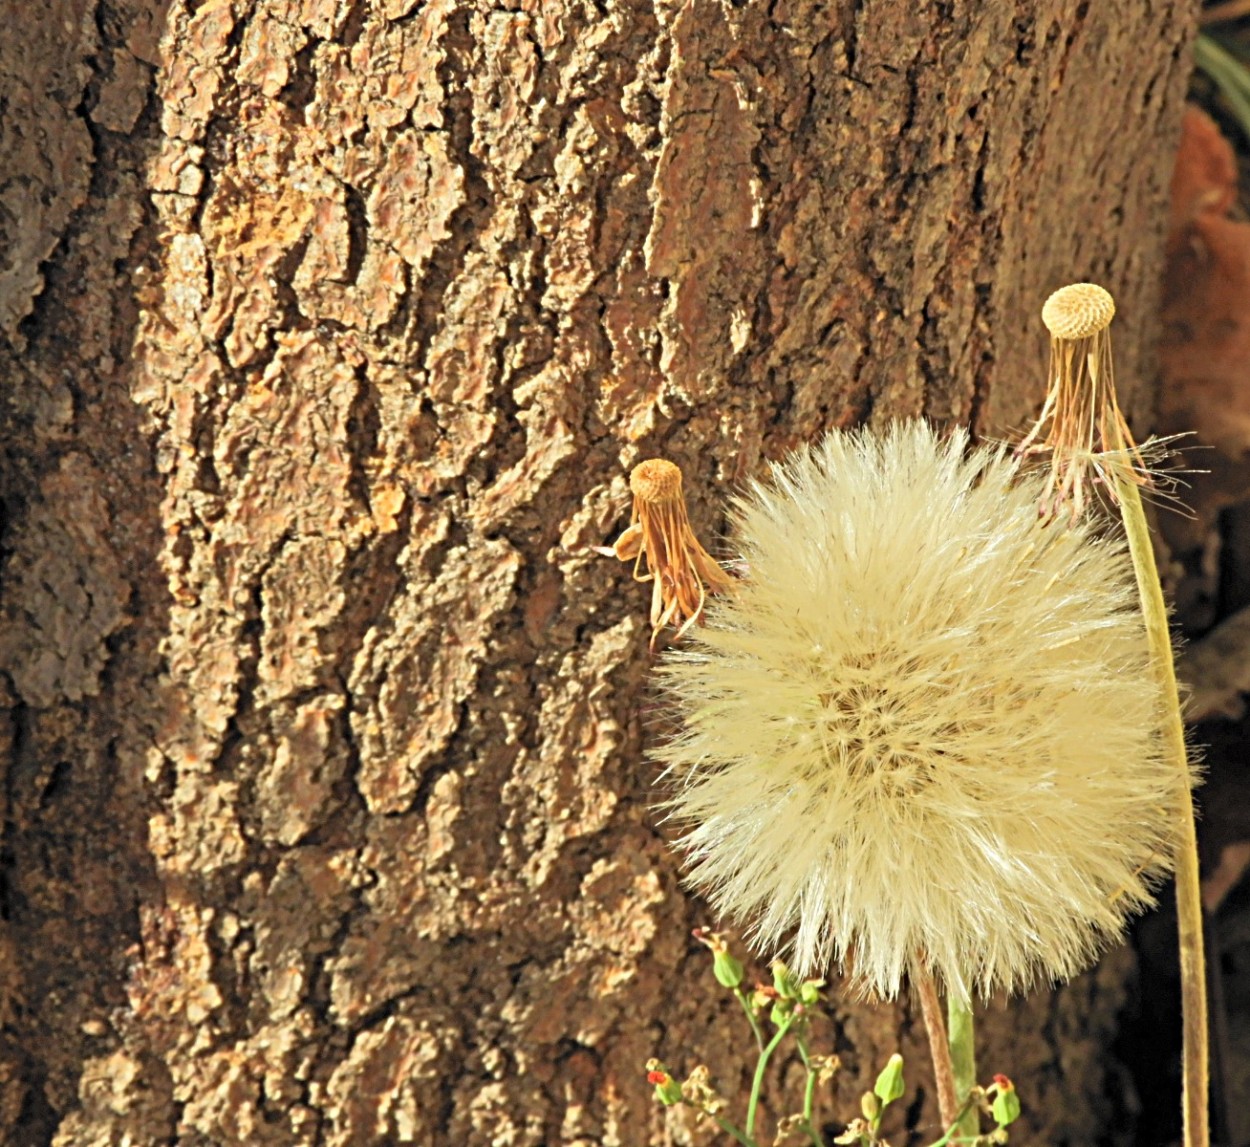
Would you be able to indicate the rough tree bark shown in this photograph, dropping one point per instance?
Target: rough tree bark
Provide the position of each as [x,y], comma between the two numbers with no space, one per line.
[330,330]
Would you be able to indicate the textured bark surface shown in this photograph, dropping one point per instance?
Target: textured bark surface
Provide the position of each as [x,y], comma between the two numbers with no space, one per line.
[329,331]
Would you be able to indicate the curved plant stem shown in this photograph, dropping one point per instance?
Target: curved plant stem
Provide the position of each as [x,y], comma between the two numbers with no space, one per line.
[1188,889]
[809,1090]
[756,1030]
[935,1029]
[951,1131]
[758,1081]
[963,1062]
[730,1129]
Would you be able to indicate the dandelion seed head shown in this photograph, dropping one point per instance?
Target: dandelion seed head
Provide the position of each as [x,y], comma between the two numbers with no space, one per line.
[923,730]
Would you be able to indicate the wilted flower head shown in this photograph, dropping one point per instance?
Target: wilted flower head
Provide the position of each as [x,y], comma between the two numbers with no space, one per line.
[683,573]
[923,733]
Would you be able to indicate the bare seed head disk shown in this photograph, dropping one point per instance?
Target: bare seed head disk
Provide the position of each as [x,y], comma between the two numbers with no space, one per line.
[1081,426]
[1078,311]
[655,482]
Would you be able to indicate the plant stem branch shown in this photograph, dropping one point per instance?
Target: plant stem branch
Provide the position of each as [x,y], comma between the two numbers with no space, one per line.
[949,1137]
[730,1129]
[745,1001]
[935,1029]
[758,1082]
[1188,886]
[960,1037]
[809,1089]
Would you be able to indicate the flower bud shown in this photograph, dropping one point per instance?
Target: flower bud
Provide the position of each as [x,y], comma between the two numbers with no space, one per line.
[1005,1104]
[809,991]
[870,1105]
[667,1089]
[727,969]
[781,1013]
[889,1085]
[783,980]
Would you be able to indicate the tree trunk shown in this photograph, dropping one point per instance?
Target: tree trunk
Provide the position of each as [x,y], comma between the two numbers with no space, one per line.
[331,330]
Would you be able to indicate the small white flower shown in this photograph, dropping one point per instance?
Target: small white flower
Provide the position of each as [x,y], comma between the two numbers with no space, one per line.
[923,732]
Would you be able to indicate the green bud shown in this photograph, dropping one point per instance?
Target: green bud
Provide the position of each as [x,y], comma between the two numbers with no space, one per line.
[870,1105]
[668,1092]
[1005,1106]
[727,969]
[809,991]
[889,1085]
[784,982]
[667,1089]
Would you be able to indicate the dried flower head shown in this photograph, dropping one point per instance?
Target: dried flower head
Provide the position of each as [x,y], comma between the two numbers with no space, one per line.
[682,571]
[1081,421]
[923,734]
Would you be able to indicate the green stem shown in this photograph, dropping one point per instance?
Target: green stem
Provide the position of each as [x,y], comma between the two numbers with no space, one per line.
[1188,887]
[745,1001]
[730,1129]
[758,1082]
[960,1037]
[809,1092]
[950,1136]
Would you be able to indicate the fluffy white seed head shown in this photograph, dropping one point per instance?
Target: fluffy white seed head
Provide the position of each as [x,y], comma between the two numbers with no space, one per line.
[923,730]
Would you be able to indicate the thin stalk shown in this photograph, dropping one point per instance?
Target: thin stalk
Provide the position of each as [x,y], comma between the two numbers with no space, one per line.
[758,1082]
[730,1129]
[935,1029]
[960,1033]
[758,1032]
[949,1137]
[1188,888]
[809,1090]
